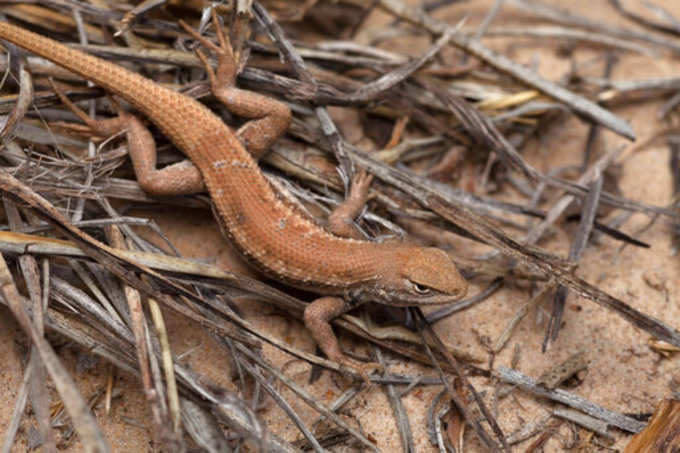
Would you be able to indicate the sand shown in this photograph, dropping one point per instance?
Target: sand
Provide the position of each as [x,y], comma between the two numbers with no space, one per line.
[624,373]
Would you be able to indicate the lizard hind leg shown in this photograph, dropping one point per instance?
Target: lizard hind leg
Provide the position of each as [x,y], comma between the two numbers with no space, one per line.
[269,118]
[181,178]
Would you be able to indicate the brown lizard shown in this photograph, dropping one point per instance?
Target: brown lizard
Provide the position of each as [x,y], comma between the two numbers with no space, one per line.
[273,236]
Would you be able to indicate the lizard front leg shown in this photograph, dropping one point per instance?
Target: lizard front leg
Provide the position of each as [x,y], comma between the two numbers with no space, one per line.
[269,118]
[317,316]
[320,312]
[181,178]
[341,220]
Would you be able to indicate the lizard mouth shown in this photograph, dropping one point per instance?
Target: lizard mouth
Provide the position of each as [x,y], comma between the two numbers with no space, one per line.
[409,300]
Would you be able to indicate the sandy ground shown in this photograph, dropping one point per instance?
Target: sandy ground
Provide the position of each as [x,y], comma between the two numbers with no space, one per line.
[624,374]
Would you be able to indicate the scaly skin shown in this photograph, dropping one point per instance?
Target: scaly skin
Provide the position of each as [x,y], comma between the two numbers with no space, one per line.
[272,235]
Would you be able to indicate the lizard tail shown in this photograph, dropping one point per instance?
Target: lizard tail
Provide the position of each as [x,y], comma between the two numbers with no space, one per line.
[164,107]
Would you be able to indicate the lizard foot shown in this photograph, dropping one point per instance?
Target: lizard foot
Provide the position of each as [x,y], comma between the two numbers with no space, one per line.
[92,127]
[360,185]
[268,117]
[364,369]
[227,60]
[341,220]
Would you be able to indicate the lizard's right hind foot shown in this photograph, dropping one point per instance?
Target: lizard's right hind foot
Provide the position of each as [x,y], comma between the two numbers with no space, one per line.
[227,60]
[269,118]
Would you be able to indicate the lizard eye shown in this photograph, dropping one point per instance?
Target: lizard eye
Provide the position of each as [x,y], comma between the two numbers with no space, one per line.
[420,289]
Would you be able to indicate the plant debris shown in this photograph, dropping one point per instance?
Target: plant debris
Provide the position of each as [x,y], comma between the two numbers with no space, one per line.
[445,127]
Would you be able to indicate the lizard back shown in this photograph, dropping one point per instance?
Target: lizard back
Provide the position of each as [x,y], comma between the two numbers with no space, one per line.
[272,235]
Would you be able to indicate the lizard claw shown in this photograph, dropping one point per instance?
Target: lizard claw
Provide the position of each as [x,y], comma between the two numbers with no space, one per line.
[84,117]
[363,369]
[341,220]
[92,127]
[361,183]
[227,60]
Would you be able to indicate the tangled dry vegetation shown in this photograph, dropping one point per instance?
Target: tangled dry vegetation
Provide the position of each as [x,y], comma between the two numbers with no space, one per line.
[445,128]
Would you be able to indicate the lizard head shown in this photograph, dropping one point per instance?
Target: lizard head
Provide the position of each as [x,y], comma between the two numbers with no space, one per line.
[421,276]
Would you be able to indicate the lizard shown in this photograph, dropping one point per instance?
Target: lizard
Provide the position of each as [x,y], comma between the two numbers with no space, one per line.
[273,236]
